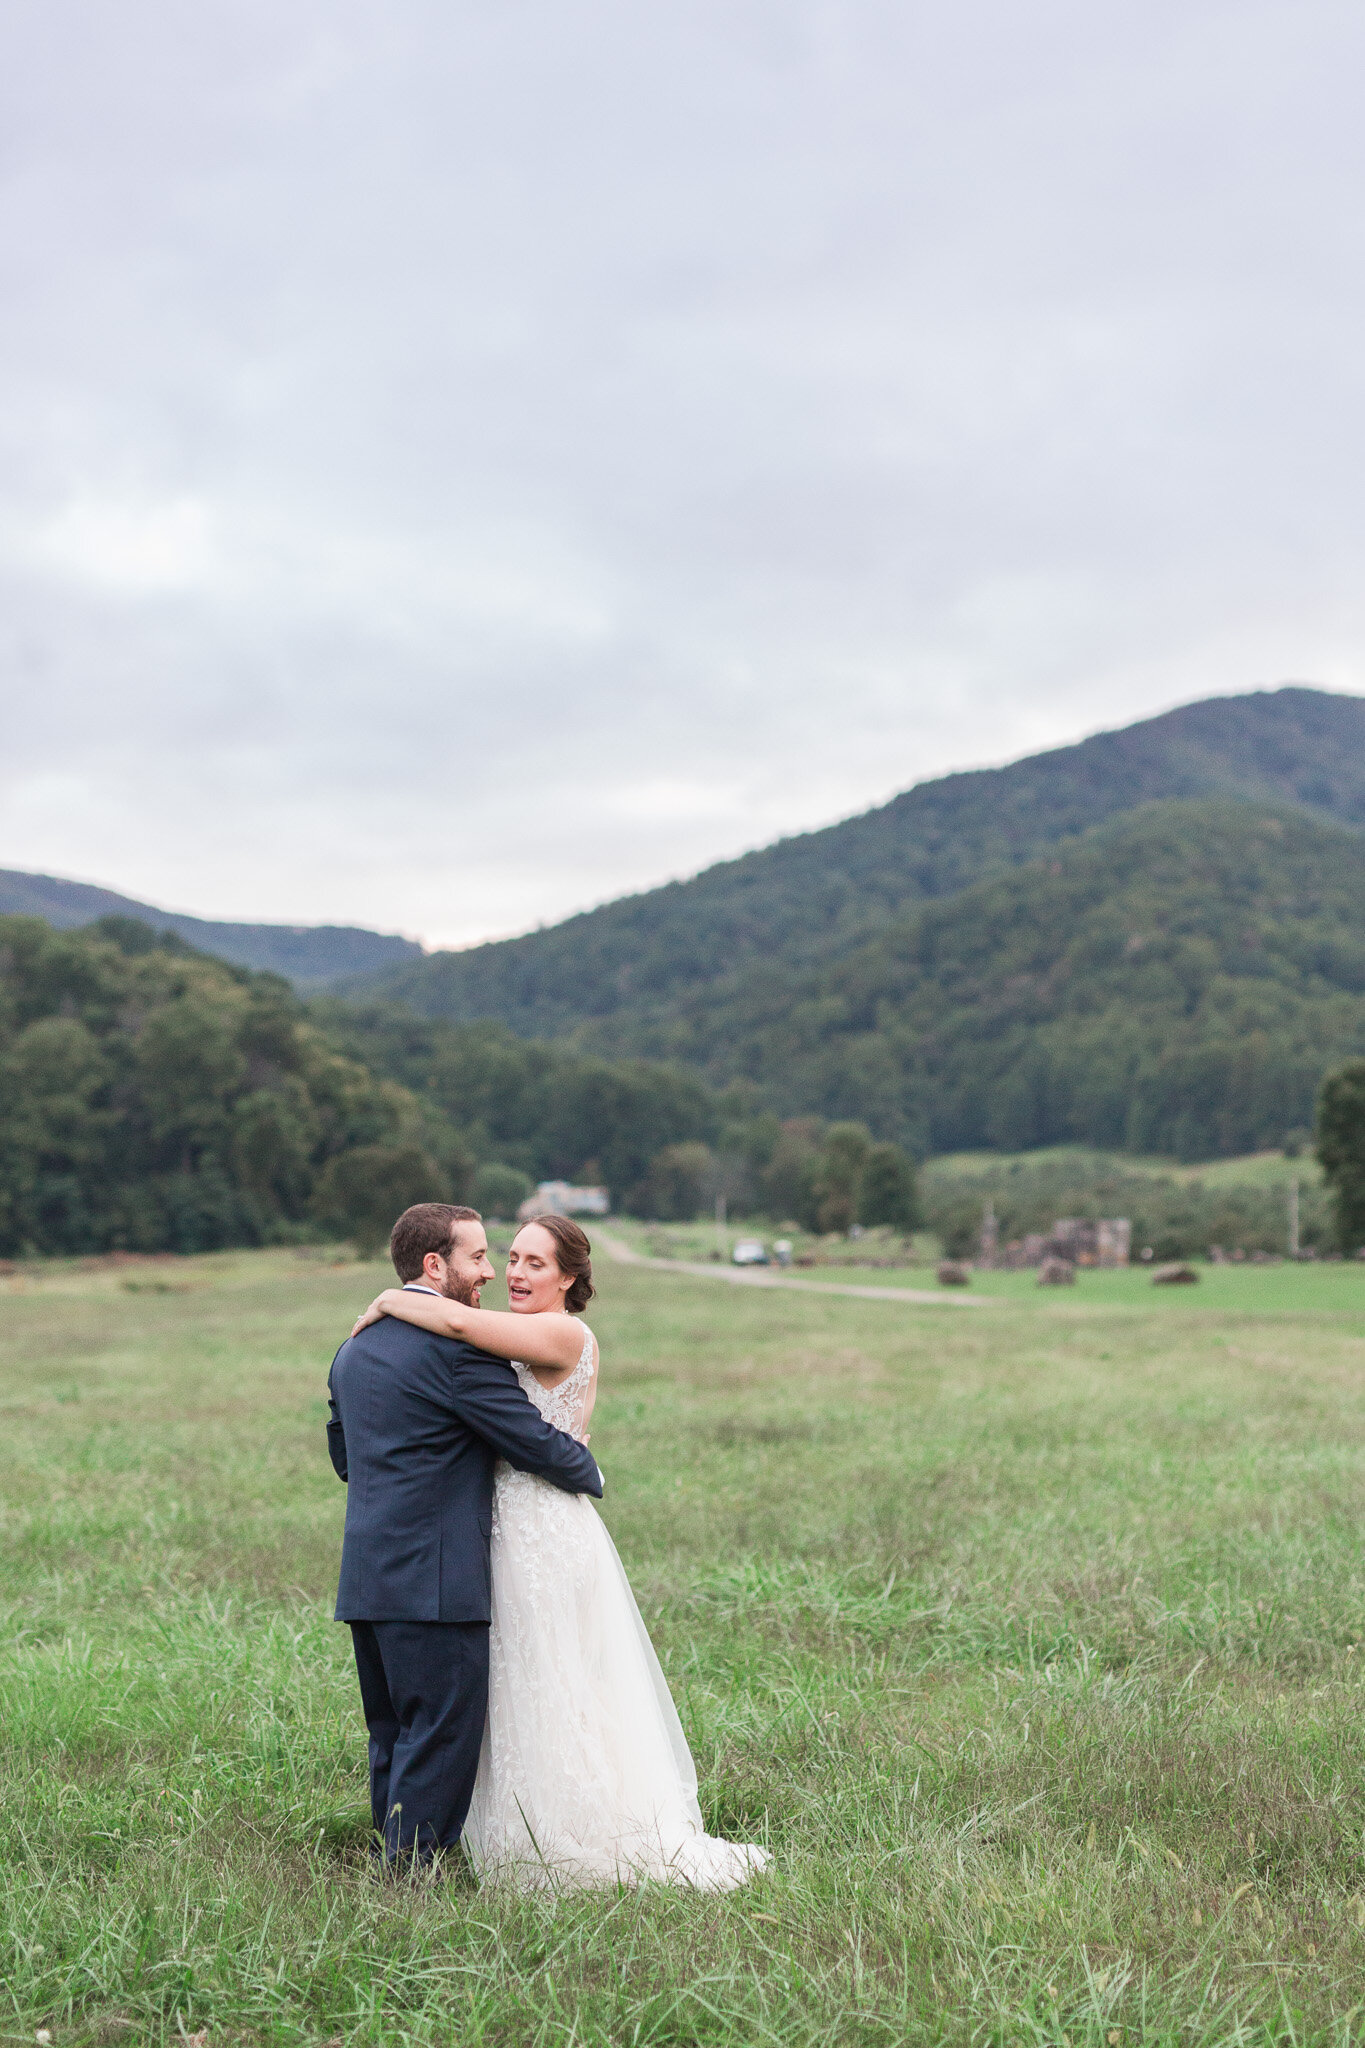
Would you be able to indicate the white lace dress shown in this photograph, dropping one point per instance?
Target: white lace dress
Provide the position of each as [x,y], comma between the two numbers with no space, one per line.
[585,1775]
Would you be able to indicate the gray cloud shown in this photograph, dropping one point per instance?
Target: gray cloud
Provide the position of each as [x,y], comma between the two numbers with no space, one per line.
[462,462]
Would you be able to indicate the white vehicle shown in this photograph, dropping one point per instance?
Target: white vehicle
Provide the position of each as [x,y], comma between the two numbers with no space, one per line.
[750,1251]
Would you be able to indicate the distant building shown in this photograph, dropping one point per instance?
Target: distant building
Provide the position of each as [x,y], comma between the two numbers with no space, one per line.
[1023,1252]
[1108,1242]
[1114,1241]
[1105,1243]
[557,1198]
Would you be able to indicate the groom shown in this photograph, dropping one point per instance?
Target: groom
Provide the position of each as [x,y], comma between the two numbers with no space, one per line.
[416,1423]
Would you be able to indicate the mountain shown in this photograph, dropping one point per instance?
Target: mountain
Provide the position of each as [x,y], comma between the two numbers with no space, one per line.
[814,897]
[1154,941]
[1172,982]
[310,956]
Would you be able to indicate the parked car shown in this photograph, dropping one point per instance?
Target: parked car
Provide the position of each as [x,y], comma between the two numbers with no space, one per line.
[750,1251]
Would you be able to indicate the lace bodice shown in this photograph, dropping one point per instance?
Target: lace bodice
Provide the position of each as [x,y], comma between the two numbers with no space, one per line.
[565,1405]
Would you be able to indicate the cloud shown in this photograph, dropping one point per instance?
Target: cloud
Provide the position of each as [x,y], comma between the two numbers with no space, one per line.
[463,463]
[131,548]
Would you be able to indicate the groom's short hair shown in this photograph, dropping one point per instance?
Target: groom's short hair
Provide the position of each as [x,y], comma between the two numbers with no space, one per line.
[425,1227]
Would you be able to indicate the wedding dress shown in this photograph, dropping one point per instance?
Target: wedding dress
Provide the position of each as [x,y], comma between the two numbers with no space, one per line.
[585,1776]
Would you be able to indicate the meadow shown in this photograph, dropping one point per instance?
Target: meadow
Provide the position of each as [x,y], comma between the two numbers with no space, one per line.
[1028,1639]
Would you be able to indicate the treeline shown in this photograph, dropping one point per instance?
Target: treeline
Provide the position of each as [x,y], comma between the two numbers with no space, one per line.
[1176,1217]
[822,1177]
[155,1099]
[660,1139]
[497,1105]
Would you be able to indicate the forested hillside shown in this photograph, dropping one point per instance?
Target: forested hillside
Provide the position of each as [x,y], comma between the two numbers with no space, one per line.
[1173,979]
[547,1111]
[663,1142]
[309,956]
[1175,982]
[813,898]
[154,1099]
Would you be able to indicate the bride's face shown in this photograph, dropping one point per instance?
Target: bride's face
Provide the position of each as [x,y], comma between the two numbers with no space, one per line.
[534,1281]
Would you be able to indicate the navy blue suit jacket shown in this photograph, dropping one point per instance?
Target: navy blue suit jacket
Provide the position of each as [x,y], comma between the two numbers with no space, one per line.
[416,1424]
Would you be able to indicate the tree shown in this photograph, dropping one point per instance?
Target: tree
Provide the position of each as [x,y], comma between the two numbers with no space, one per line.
[1341,1149]
[274,1131]
[889,1193]
[361,1193]
[678,1184]
[500,1190]
[839,1176]
[188,1065]
[787,1183]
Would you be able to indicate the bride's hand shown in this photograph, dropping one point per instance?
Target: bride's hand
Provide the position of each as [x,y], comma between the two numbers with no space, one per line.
[372,1314]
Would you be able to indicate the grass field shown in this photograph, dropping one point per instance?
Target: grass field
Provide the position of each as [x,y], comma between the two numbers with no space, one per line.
[1027,1639]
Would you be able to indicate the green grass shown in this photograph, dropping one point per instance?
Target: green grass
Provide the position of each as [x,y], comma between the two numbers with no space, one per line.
[1274,1290]
[1027,1639]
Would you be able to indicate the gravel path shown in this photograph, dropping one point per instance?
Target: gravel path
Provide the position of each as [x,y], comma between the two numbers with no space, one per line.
[762,1276]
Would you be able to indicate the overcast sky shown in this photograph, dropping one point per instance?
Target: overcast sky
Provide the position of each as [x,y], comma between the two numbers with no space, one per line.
[460,462]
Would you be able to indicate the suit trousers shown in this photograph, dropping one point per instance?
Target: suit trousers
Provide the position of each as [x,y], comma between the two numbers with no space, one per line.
[424,1688]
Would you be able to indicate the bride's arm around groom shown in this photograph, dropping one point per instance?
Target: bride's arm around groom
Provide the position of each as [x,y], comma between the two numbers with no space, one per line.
[416,1422]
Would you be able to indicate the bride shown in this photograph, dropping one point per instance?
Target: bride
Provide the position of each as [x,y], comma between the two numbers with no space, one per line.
[585,1776]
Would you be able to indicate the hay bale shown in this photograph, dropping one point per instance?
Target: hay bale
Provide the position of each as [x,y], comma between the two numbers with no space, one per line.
[1055,1272]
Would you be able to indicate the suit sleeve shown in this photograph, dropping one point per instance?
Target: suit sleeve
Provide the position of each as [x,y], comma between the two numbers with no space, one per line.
[336,1435]
[487,1399]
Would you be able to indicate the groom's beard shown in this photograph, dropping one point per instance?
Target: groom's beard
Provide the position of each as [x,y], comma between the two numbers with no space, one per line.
[466,1292]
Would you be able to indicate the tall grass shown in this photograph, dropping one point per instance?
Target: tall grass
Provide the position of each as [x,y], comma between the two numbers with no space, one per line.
[1028,1641]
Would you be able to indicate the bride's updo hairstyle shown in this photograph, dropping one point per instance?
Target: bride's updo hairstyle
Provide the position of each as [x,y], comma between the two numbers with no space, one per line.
[573,1255]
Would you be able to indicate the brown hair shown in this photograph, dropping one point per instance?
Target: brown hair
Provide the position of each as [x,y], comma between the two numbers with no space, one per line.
[425,1227]
[573,1255]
